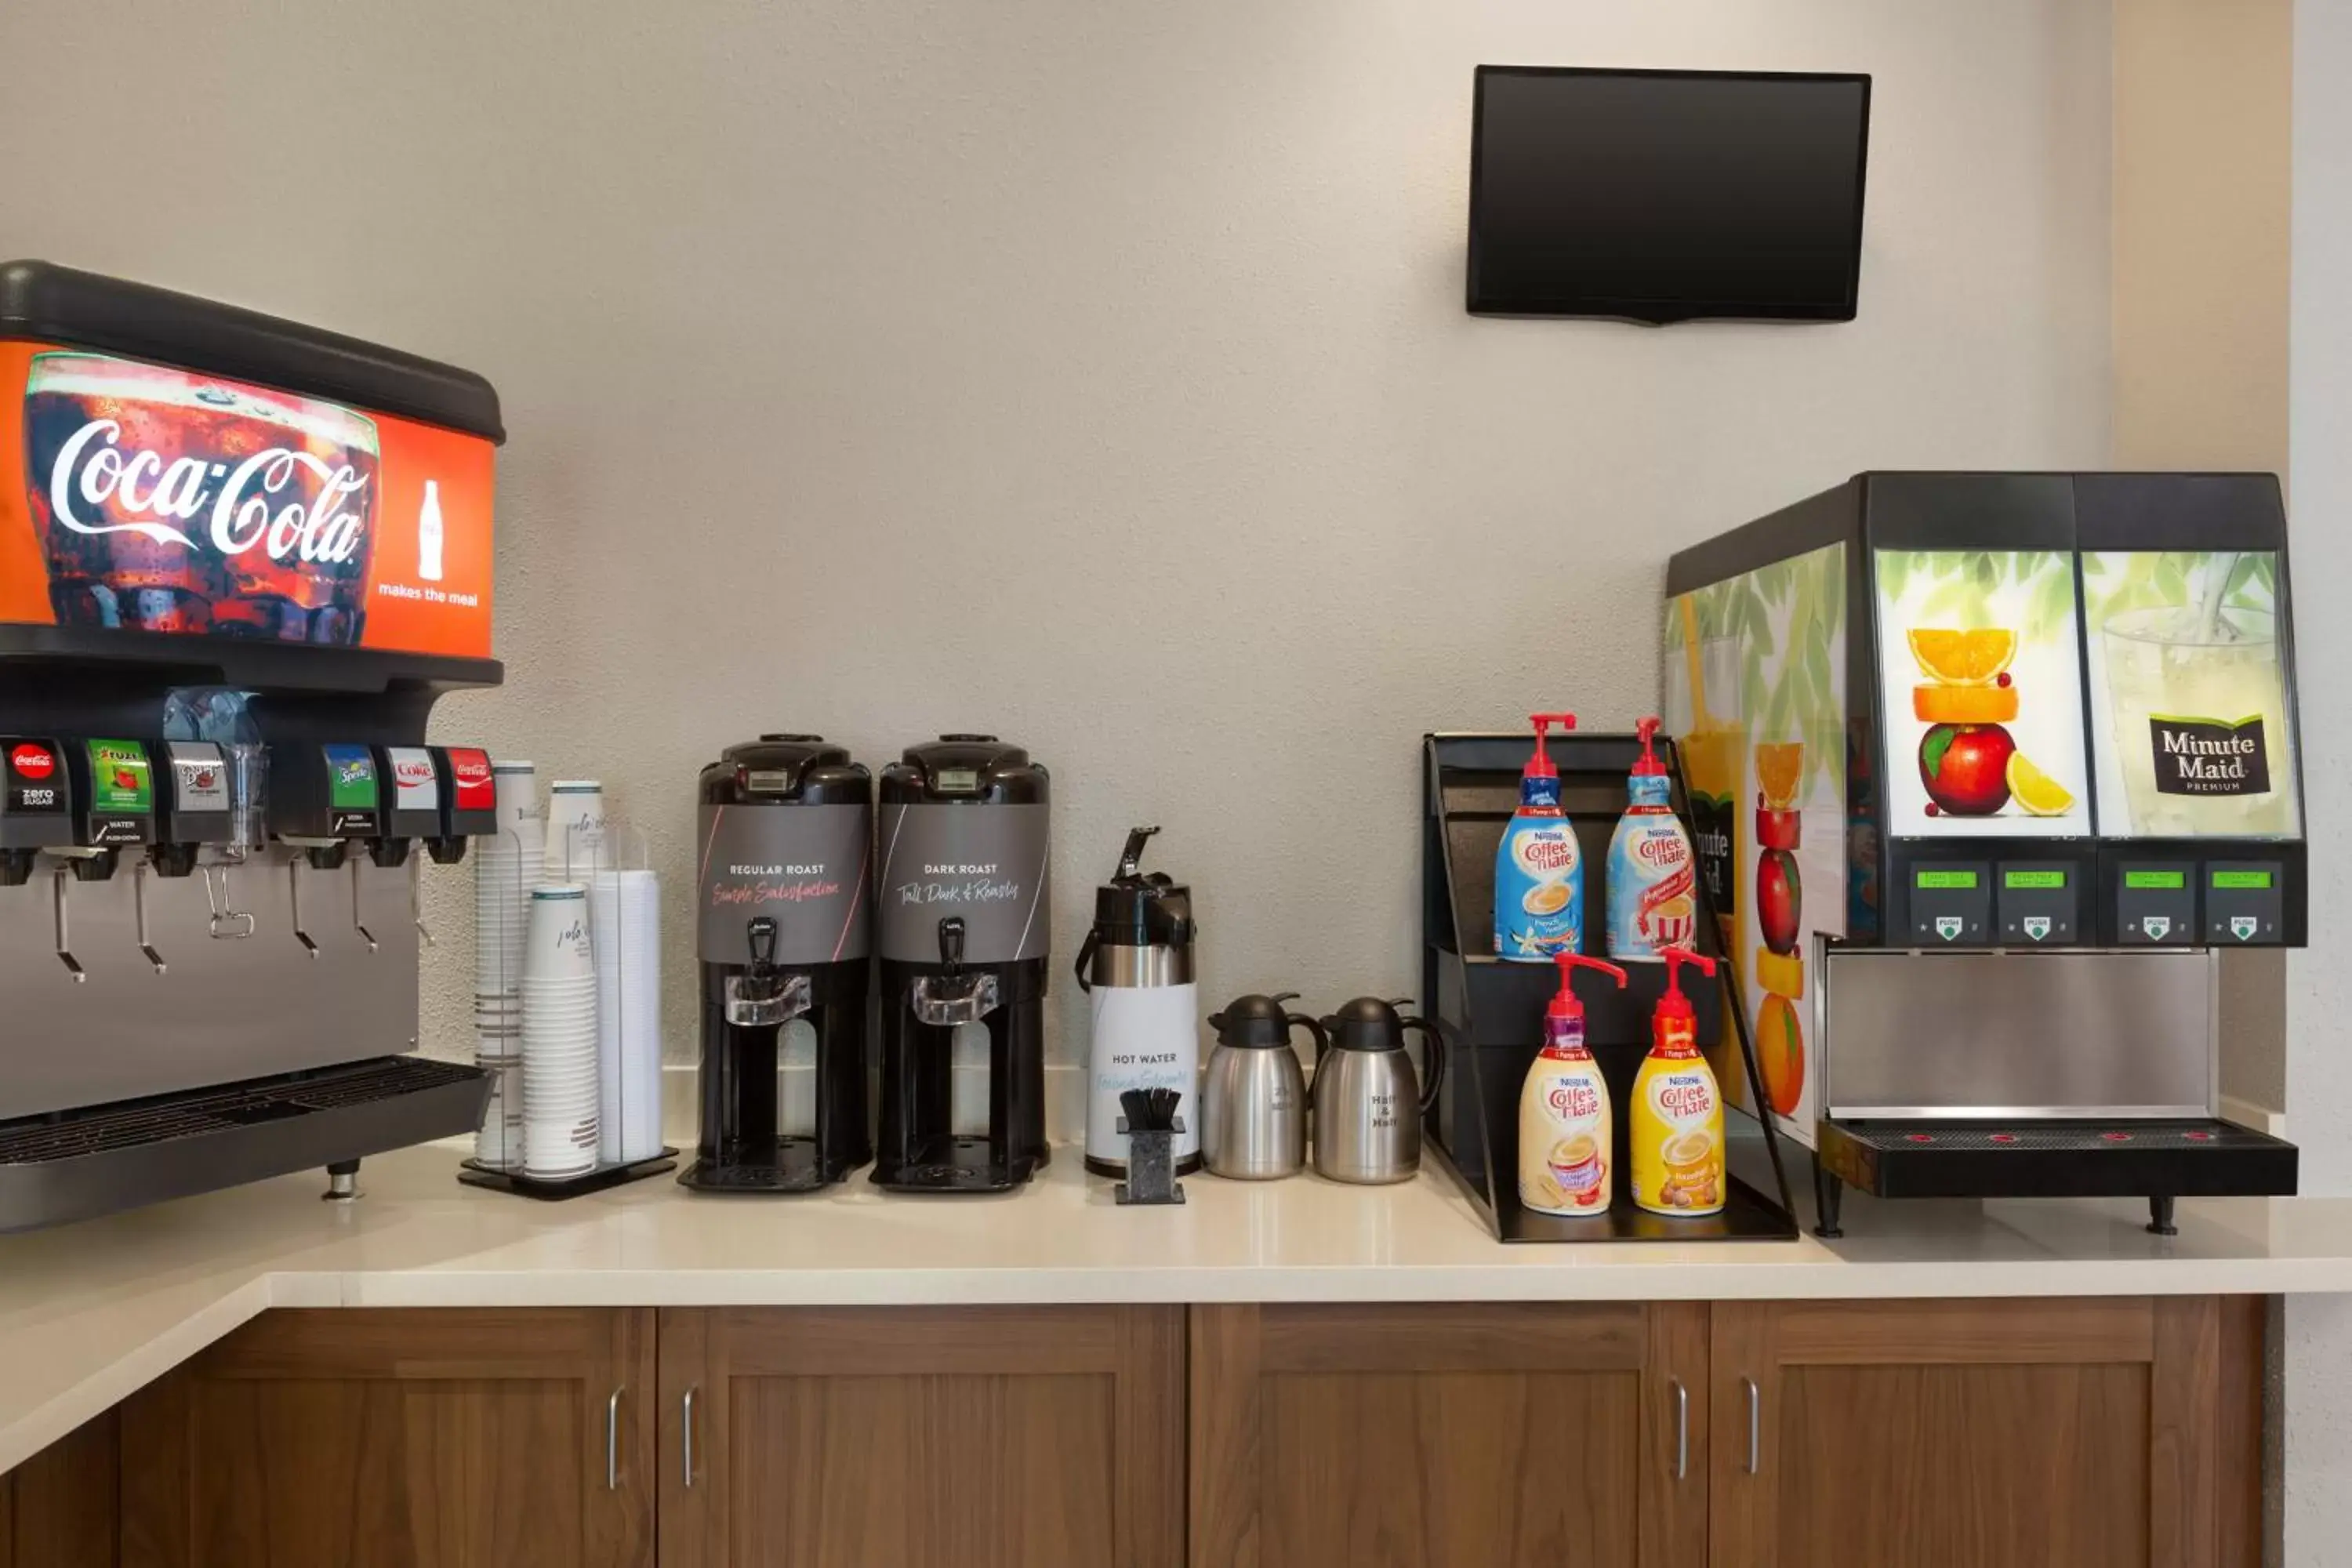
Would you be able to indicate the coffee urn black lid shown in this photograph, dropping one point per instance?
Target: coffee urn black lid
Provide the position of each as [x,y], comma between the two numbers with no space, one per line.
[786,770]
[1254,1020]
[963,769]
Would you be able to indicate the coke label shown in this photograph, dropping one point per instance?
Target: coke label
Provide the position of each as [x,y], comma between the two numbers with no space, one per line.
[470,771]
[174,502]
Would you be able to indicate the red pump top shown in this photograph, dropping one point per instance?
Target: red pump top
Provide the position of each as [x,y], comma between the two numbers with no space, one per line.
[1648,765]
[1674,1005]
[1539,765]
[1565,1004]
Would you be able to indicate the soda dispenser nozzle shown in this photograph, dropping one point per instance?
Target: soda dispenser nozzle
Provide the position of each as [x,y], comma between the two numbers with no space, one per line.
[1539,765]
[1564,1004]
[1647,765]
[1673,1004]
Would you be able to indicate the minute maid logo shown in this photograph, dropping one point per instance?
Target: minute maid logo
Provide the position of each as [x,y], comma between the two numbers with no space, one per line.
[2208,756]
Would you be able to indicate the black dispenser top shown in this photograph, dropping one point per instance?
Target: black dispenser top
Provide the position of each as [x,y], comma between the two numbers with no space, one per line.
[1140,908]
[1368,1023]
[786,770]
[1259,1023]
[965,769]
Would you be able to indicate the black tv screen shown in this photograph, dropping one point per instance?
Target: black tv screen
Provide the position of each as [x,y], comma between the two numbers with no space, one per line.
[1665,196]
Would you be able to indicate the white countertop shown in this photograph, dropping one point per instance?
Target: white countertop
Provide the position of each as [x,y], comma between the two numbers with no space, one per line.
[91,1312]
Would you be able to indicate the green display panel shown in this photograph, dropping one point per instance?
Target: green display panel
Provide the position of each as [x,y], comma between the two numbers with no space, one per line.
[2046,878]
[1947,879]
[2241,878]
[2169,880]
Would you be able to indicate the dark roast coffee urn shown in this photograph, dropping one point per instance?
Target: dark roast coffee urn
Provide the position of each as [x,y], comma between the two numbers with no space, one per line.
[782,834]
[963,925]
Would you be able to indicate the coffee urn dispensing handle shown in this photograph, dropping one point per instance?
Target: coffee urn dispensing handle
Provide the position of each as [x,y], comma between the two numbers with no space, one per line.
[1130,859]
[951,944]
[760,938]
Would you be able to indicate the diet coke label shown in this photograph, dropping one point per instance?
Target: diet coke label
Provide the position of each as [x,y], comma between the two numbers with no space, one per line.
[170,501]
[416,781]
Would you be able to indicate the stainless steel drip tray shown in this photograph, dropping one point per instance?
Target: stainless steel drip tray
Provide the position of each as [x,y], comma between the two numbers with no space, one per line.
[2011,1034]
[78,1164]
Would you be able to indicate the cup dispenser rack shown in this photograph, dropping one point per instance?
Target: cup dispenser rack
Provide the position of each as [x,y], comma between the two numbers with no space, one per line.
[500,1162]
[1492,1011]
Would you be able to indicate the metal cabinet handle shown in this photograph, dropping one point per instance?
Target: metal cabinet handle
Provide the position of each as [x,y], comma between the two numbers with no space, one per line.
[1755,1424]
[686,1423]
[1682,1428]
[613,1442]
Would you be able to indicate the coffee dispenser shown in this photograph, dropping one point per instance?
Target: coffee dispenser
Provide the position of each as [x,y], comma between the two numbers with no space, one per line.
[964,923]
[783,830]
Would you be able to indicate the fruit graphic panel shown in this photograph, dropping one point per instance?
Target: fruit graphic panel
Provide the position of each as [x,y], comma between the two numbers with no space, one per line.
[1755,692]
[1980,675]
[2189,722]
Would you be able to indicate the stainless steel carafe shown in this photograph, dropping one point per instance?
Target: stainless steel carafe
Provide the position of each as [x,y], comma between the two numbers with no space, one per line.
[1253,1100]
[1367,1105]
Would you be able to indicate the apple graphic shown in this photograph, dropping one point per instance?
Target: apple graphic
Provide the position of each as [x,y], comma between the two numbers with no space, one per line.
[1965,767]
[1780,899]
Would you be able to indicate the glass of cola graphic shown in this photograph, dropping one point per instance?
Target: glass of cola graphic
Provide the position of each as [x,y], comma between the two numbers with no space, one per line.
[172,502]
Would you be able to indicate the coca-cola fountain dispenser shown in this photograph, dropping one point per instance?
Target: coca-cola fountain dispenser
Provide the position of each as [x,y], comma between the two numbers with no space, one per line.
[222,628]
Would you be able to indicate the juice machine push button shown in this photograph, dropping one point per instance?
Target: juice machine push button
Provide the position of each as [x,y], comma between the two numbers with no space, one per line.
[2037,904]
[2244,903]
[1951,904]
[2156,905]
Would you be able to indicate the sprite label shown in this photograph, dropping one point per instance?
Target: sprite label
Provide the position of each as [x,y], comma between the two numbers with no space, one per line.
[121,781]
[351,778]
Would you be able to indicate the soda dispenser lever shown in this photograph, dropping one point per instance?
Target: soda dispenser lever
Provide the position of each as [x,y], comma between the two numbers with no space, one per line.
[294,895]
[139,909]
[358,924]
[224,922]
[65,944]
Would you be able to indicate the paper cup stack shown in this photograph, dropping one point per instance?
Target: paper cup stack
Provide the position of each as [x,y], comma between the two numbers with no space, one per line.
[624,916]
[558,1035]
[507,866]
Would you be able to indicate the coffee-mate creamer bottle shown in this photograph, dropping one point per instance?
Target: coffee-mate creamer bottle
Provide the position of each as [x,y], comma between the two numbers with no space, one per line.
[1538,870]
[1677,1112]
[1567,1141]
[1653,876]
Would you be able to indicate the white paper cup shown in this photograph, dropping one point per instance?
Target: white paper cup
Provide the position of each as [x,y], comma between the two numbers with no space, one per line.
[556,945]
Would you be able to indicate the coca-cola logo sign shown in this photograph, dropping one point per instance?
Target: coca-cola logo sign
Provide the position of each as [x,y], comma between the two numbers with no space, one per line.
[33,761]
[257,503]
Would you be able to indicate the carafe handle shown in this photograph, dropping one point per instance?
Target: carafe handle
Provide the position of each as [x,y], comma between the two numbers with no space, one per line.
[1314,1030]
[1433,1061]
[1086,961]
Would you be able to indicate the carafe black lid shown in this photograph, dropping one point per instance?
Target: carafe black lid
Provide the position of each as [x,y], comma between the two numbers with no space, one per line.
[784,769]
[1367,1023]
[1140,908]
[965,768]
[1256,1021]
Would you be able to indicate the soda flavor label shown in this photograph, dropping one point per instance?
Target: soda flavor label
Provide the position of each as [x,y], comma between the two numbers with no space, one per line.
[36,778]
[471,778]
[803,867]
[121,779]
[416,781]
[199,776]
[984,865]
[146,498]
[2190,723]
[352,795]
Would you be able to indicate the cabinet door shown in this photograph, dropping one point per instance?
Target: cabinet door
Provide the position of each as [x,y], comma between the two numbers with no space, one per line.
[1522,1435]
[2111,1432]
[981,1437]
[399,1439]
[57,1508]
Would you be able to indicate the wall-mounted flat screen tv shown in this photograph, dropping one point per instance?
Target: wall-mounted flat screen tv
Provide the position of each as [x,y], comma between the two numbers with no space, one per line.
[1666,195]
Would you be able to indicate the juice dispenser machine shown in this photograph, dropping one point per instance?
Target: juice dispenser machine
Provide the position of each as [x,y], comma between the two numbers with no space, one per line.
[239,559]
[1988,771]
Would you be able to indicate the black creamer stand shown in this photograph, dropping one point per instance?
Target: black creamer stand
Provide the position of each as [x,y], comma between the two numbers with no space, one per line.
[1492,1012]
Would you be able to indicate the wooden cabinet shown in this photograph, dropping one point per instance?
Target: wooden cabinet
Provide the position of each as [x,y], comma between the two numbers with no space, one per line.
[399,1439]
[2109,1433]
[57,1508]
[982,1436]
[1455,1437]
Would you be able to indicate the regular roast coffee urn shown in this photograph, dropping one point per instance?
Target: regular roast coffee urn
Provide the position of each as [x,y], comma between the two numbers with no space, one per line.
[785,828]
[963,922]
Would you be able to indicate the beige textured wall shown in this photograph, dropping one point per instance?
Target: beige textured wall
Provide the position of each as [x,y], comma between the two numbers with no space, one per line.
[1096,373]
[2202,194]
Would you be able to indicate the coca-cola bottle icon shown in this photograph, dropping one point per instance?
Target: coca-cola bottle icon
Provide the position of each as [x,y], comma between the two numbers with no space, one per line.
[172,502]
